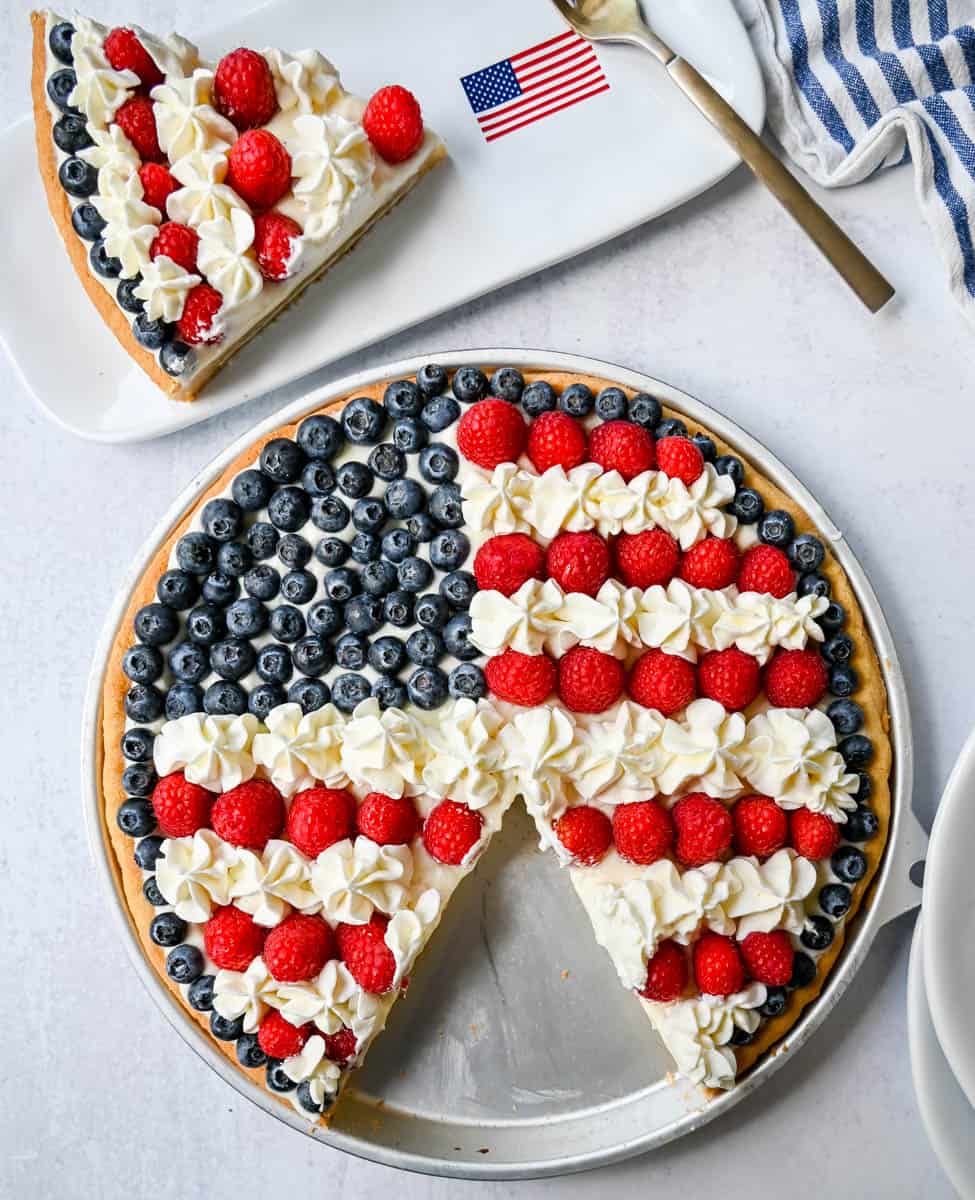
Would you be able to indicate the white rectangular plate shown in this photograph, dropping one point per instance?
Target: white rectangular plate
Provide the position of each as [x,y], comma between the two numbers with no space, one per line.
[493,214]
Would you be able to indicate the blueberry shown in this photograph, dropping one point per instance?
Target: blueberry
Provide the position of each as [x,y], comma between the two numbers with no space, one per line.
[183,699]
[79,179]
[144,703]
[709,451]
[262,582]
[312,655]
[147,852]
[834,900]
[806,553]
[402,398]
[263,698]
[387,462]
[225,699]
[276,1078]
[466,682]
[246,618]
[288,509]
[645,410]
[539,397]
[298,587]
[740,1037]
[728,465]
[196,553]
[387,655]
[857,751]
[431,379]
[369,515]
[150,889]
[861,824]
[235,558]
[816,934]
[59,39]
[282,460]
[838,649]
[449,550]
[427,687]
[577,400]
[60,85]
[325,618]
[142,664]
[178,589]
[249,1052]
[139,780]
[329,514]
[310,694]
[348,691]
[89,224]
[232,659]
[390,692]
[220,588]
[102,262]
[149,333]
[445,506]
[274,663]
[834,618]
[612,404]
[318,479]
[846,715]
[747,506]
[777,528]
[843,680]
[176,357]
[409,435]
[363,421]
[458,589]
[135,818]
[251,490]
[167,929]
[456,636]
[184,964]
[414,574]
[378,578]
[813,584]
[287,624]
[308,1101]
[440,412]
[439,463]
[262,540]
[206,625]
[432,612]
[508,383]
[398,609]
[224,1029]
[803,970]
[155,624]
[71,134]
[354,479]
[200,995]
[404,498]
[365,547]
[222,519]
[672,427]
[364,614]
[425,648]
[341,584]
[136,744]
[188,662]
[332,551]
[319,436]
[422,526]
[398,544]
[470,384]
[775,1002]
[351,652]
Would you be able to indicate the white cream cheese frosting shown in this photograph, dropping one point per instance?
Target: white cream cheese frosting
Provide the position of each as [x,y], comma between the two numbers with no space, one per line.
[355,879]
[196,873]
[213,751]
[164,287]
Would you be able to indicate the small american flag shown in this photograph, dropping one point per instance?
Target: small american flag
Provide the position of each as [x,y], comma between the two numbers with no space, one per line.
[534,83]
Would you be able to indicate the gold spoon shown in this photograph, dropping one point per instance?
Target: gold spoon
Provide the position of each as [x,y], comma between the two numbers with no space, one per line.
[622,21]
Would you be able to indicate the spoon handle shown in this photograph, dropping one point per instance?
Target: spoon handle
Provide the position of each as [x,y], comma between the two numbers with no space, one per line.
[847,259]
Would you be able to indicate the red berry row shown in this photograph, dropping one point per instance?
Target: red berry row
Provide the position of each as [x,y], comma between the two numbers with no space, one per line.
[721,965]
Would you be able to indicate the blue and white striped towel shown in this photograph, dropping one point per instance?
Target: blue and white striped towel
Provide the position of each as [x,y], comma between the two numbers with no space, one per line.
[855,85]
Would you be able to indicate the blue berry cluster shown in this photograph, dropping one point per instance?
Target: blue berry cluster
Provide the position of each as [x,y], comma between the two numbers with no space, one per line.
[79,180]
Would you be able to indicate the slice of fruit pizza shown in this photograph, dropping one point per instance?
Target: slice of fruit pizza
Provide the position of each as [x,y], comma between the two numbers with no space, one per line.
[195,200]
[380,626]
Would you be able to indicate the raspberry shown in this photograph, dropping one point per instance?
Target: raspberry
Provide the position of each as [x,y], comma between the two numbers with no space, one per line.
[643,831]
[341,1046]
[177,242]
[585,832]
[259,168]
[249,815]
[768,957]
[663,681]
[622,446]
[197,323]
[138,122]
[712,563]
[491,432]
[648,558]
[589,681]
[393,123]
[278,1038]
[555,440]
[578,562]
[812,835]
[232,939]
[275,239]
[761,827]
[525,679]
[388,820]
[766,569]
[666,973]
[243,89]
[795,679]
[157,185]
[679,458]
[729,676]
[298,948]
[505,562]
[318,818]
[181,807]
[451,831]
[364,951]
[703,829]
[717,965]
[126,53]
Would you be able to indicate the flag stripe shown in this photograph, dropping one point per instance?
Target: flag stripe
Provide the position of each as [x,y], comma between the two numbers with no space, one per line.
[582,51]
[552,52]
[562,37]
[587,74]
[494,136]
